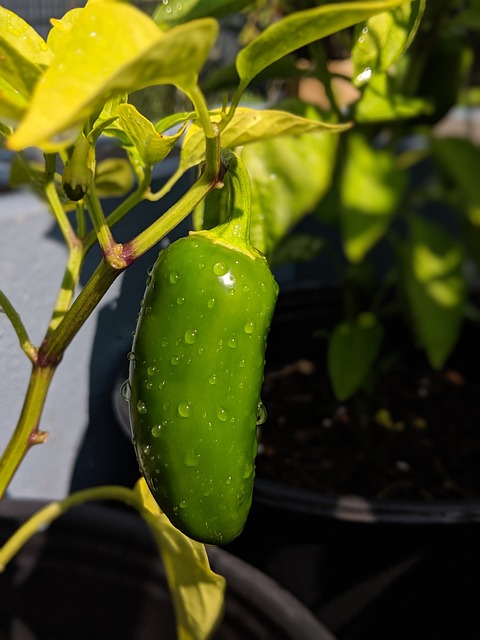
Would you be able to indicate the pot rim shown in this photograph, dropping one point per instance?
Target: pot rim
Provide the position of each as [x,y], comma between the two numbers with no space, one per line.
[354,508]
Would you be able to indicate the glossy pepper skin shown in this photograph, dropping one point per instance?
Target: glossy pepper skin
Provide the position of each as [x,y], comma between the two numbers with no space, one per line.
[195,381]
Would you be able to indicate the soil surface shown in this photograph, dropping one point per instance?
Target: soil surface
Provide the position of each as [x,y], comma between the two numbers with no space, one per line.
[415,435]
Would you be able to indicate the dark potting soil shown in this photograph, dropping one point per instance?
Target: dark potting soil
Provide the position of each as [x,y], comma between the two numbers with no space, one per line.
[414,435]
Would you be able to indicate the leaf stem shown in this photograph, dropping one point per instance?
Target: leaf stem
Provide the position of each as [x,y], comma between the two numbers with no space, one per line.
[177,212]
[45,516]
[102,230]
[212,138]
[237,96]
[18,326]
[59,213]
[155,196]
[68,286]
[124,207]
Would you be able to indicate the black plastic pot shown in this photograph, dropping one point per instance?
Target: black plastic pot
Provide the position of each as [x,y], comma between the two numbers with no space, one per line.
[95,573]
[353,559]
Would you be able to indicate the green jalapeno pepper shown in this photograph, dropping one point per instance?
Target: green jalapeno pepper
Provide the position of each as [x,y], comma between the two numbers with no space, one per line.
[197,370]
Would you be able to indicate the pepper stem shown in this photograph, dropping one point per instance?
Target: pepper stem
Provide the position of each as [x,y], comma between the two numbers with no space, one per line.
[235,231]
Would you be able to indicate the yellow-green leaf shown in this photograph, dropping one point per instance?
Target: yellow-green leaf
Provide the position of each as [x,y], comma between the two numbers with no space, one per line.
[382,39]
[301,28]
[149,146]
[197,592]
[23,53]
[61,28]
[381,101]
[247,126]
[289,176]
[12,103]
[112,48]
[113,177]
[23,57]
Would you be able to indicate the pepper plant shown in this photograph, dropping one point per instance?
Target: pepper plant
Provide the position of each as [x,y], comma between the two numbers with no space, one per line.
[62,96]
[403,196]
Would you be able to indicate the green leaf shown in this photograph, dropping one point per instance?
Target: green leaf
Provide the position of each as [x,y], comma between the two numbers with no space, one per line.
[149,146]
[113,177]
[435,287]
[300,29]
[248,126]
[106,122]
[197,592]
[111,49]
[5,131]
[172,13]
[371,187]
[381,101]
[352,350]
[28,173]
[173,120]
[468,18]
[289,176]
[383,38]
[12,103]
[297,247]
[460,159]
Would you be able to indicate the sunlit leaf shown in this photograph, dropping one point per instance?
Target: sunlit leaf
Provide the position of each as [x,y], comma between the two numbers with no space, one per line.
[61,28]
[371,187]
[112,49]
[246,127]
[383,38]
[197,592]
[352,350]
[168,14]
[381,101]
[289,176]
[435,287]
[23,57]
[301,28]
[150,146]
[23,53]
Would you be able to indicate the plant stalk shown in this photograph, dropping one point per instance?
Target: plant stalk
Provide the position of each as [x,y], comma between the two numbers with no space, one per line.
[26,432]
